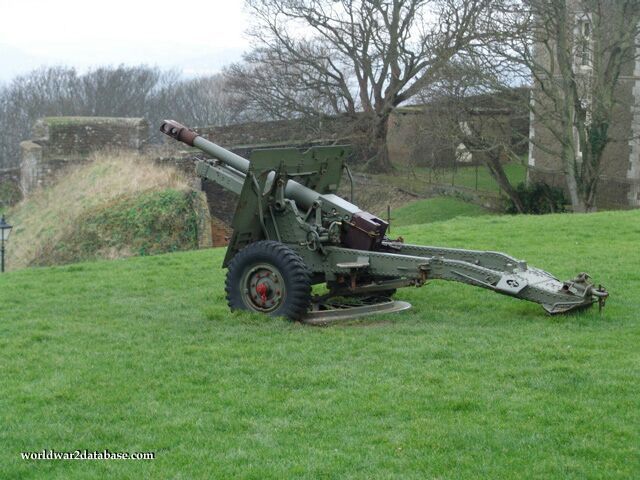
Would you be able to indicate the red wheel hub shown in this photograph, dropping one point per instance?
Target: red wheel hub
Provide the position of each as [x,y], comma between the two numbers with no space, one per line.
[262,290]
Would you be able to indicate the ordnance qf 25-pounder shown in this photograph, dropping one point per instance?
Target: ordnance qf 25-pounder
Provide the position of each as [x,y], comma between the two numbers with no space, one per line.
[291,231]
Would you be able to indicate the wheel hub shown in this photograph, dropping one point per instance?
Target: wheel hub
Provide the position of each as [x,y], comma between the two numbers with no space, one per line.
[264,288]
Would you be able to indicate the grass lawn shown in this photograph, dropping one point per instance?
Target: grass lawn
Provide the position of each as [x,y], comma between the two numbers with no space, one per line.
[434,210]
[462,177]
[142,355]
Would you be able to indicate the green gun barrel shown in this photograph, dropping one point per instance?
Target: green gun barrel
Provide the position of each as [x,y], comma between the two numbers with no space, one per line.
[303,196]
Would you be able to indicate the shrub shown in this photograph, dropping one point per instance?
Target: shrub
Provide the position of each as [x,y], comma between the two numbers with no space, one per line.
[539,198]
[10,193]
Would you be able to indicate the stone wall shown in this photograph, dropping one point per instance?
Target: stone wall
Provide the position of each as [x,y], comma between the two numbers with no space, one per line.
[282,132]
[59,142]
[427,135]
[414,136]
[417,138]
[412,140]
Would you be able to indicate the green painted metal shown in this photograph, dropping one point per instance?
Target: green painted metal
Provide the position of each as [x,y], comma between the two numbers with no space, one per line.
[289,196]
[317,167]
[265,208]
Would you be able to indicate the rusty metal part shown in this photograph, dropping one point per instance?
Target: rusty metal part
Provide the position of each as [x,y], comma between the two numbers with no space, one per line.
[178,131]
[601,294]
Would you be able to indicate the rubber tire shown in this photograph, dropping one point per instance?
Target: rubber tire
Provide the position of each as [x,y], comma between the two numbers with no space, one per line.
[295,274]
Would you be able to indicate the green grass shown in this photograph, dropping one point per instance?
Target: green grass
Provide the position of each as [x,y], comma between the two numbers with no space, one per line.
[461,177]
[434,210]
[142,354]
[466,176]
[136,224]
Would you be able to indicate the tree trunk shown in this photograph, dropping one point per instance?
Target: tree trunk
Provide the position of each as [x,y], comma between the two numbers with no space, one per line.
[571,171]
[498,174]
[379,160]
[577,202]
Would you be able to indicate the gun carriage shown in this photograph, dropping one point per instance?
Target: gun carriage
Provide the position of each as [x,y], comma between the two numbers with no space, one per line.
[292,231]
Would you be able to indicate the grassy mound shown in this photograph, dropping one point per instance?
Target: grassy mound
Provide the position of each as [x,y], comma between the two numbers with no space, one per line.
[118,205]
[435,210]
[142,355]
[144,224]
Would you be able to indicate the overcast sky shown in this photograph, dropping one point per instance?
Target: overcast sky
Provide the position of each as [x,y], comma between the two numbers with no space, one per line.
[195,36]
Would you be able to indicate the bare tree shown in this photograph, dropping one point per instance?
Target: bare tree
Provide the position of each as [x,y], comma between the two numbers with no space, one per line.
[44,92]
[355,55]
[269,85]
[576,52]
[465,109]
[121,91]
[200,101]
[137,91]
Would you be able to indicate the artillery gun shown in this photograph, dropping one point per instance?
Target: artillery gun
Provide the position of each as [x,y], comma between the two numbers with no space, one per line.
[291,231]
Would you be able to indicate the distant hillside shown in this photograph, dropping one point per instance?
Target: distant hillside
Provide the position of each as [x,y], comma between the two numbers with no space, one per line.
[119,205]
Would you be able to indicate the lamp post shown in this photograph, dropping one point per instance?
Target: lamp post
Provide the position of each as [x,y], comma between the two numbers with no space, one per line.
[5,230]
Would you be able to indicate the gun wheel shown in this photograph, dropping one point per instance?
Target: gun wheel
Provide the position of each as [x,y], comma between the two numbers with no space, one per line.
[269,277]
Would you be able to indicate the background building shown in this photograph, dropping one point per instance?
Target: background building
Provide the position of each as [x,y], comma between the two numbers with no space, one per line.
[619,185]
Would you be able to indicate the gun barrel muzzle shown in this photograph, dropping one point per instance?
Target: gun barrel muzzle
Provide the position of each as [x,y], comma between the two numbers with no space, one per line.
[186,135]
[178,131]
